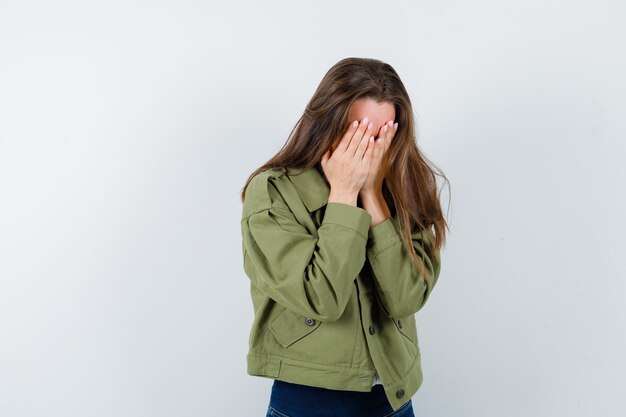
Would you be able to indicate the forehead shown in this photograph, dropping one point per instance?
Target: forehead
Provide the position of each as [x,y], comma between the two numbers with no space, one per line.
[379,113]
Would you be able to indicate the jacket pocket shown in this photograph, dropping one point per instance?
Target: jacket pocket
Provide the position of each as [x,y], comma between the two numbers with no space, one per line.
[406,326]
[289,327]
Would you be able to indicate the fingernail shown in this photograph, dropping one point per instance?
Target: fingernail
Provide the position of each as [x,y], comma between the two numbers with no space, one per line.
[385,128]
[365,121]
[355,123]
[369,126]
[395,126]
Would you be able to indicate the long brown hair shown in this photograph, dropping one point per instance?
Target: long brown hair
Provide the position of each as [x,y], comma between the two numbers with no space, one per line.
[409,186]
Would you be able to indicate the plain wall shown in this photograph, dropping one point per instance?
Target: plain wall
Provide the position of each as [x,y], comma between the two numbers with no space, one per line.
[127,130]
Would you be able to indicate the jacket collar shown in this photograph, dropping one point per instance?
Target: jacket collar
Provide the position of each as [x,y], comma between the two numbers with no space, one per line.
[311,185]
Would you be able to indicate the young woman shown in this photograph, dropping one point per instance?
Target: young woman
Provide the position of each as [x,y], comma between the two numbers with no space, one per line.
[341,238]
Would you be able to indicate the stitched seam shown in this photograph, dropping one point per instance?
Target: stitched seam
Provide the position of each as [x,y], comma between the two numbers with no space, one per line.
[275,208]
[278,412]
[374,253]
[270,355]
[250,214]
[356,332]
[347,227]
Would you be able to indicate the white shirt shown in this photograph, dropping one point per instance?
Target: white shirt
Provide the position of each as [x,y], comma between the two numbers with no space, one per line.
[376,380]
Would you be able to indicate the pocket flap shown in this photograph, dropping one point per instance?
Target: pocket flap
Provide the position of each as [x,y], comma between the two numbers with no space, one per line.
[289,327]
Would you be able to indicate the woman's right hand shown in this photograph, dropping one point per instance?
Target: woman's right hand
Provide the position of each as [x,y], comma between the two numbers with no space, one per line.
[347,167]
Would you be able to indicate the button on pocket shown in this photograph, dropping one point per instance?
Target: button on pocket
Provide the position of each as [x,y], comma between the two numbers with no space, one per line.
[406,326]
[289,327]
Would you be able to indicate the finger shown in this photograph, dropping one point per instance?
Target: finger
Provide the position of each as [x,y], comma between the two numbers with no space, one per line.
[392,133]
[365,143]
[373,154]
[378,149]
[381,143]
[358,136]
[343,143]
[389,134]
[369,152]
[378,132]
[393,128]
[352,133]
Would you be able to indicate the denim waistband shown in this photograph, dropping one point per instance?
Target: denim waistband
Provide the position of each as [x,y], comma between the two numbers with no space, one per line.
[307,401]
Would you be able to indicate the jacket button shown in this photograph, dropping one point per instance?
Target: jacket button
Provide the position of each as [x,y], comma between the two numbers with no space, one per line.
[372,330]
[400,393]
[309,321]
[400,323]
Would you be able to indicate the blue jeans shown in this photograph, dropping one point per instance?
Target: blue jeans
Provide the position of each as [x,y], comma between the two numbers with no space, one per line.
[295,400]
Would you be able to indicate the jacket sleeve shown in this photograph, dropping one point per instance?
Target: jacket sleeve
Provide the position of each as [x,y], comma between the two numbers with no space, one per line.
[311,276]
[402,290]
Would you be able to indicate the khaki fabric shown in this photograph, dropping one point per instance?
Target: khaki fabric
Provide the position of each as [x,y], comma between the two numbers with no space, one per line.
[334,299]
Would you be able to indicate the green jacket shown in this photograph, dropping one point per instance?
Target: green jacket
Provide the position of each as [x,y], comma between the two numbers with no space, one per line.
[334,299]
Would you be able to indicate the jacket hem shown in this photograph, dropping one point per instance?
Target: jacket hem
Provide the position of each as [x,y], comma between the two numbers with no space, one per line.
[334,377]
[308,373]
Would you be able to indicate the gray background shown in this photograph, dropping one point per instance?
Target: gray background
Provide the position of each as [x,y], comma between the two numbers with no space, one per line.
[128,128]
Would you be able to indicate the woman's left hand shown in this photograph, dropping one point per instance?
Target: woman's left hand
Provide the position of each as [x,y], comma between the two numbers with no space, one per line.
[374,181]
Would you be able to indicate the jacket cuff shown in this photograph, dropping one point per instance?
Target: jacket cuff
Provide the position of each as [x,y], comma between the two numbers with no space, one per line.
[382,236]
[349,216]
